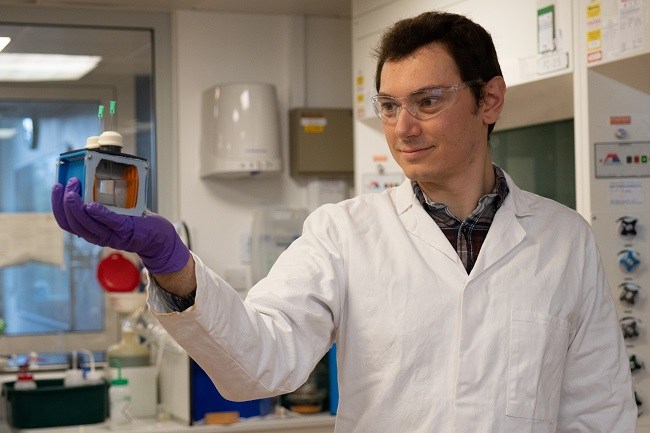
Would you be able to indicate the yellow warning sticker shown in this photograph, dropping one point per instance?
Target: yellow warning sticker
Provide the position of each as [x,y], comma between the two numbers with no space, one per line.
[593,10]
[313,124]
[594,38]
[313,129]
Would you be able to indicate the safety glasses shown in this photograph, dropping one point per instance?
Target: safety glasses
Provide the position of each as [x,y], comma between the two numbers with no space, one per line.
[423,104]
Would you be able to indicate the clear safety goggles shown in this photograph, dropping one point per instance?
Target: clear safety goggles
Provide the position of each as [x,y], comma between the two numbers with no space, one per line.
[423,104]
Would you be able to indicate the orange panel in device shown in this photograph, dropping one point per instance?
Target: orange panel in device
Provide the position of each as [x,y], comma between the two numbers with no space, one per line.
[131,177]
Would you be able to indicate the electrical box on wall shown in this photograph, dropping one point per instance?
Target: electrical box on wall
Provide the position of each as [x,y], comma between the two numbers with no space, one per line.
[320,141]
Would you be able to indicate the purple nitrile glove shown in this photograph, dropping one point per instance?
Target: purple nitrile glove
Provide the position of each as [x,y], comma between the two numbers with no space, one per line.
[151,237]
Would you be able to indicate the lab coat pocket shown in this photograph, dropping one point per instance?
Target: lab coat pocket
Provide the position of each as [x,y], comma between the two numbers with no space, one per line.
[538,347]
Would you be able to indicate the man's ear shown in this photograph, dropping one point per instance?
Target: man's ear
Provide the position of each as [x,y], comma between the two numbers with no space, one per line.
[493,97]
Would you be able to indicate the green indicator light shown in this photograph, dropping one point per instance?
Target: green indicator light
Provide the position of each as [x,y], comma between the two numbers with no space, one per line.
[644,159]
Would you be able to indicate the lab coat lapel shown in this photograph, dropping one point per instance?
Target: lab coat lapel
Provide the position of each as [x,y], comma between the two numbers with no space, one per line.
[504,235]
[506,231]
[417,222]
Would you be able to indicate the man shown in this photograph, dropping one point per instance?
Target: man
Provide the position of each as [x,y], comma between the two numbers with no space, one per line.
[459,303]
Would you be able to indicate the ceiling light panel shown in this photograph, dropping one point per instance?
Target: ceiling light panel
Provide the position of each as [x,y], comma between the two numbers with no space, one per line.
[45,67]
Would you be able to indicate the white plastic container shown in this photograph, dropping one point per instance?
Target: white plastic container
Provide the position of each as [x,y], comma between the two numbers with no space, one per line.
[274,229]
[25,381]
[143,384]
[120,404]
[129,352]
[73,377]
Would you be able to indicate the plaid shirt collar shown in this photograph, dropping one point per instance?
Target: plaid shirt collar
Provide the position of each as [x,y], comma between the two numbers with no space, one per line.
[496,197]
[467,236]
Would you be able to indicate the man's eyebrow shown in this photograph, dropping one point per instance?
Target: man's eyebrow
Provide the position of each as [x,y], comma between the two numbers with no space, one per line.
[427,88]
[415,92]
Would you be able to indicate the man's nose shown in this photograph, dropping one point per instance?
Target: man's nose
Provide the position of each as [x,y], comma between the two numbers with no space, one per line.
[407,124]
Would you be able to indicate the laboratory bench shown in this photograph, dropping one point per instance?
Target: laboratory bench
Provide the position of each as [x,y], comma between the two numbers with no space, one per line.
[289,422]
[316,423]
[292,423]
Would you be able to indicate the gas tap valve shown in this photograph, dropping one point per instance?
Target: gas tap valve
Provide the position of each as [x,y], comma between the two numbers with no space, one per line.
[627,226]
[630,327]
[635,364]
[628,259]
[629,292]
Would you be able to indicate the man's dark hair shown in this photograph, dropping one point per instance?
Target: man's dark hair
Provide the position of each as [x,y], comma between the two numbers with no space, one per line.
[468,44]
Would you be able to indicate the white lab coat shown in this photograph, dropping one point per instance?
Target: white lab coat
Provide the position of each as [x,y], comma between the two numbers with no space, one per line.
[529,341]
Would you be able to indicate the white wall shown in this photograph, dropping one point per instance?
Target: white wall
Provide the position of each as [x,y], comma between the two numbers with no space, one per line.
[309,62]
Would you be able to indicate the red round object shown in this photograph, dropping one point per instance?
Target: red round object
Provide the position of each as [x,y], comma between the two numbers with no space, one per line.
[116,273]
[25,376]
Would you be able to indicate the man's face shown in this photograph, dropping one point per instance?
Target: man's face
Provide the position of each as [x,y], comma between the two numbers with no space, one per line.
[446,146]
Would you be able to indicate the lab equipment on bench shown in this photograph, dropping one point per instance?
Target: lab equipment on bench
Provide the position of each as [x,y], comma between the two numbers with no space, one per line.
[107,176]
[120,401]
[52,404]
[206,399]
[128,352]
[25,379]
[274,229]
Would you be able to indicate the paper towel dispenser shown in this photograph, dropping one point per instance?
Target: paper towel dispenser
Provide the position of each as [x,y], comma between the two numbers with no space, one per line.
[240,131]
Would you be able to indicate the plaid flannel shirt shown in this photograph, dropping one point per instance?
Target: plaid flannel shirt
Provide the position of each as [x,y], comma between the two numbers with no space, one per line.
[467,236]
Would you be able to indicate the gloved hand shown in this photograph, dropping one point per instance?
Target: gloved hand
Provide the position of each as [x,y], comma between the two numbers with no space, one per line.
[151,237]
